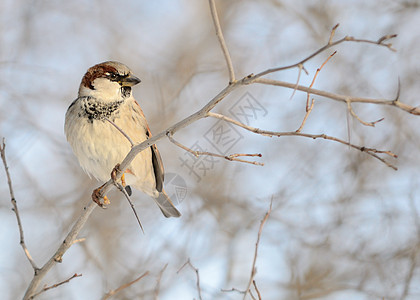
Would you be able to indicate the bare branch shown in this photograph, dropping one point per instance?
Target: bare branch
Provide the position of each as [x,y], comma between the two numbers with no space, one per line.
[337,97]
[188,262]
[222,42]
[329,45]
[231,157]
[124,286]
[254,270]
[15,207]
[369,151]
[56,285]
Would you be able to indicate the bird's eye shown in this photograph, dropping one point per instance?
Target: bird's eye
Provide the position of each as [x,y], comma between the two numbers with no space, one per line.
[111,76]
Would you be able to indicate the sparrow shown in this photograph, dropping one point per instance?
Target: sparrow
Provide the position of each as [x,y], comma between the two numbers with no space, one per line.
[100,124]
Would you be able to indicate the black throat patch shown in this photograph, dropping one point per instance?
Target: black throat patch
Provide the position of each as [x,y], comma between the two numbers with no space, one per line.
[95,110]
[125,91]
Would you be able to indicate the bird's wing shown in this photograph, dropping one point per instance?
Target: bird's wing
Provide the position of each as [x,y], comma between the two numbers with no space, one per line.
[156,159]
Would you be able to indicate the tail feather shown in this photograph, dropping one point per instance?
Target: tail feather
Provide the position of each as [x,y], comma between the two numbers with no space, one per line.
[166,206]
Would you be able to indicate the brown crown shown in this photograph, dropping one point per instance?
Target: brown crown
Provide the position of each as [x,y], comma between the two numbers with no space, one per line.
[97,71]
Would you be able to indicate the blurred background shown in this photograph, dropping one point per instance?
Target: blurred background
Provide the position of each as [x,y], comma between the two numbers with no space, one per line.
[343,225]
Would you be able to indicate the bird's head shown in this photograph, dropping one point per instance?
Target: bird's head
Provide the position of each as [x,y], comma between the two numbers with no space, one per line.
[108,81]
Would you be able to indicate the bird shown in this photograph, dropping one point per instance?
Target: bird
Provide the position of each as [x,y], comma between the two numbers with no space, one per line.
[101,125]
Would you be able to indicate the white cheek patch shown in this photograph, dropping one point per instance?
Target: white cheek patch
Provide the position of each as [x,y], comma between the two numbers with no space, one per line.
[105,90]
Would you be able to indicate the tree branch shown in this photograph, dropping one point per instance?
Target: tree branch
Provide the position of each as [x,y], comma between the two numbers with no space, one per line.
[330,44]
[254,270]
[337,97]
[15,207]
[369,151]
[222,42]
[57,257]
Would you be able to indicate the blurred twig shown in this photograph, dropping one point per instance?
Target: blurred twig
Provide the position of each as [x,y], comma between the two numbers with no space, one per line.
[15,207]
[188,262]
[254,270]
[157,287]
[124,286]
[56,285]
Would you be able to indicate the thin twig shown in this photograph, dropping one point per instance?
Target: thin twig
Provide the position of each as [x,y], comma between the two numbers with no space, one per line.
[233,290]
[122,189]
[238,291]
[157,287]
[333,33]
[79,240]
[330,44]
[231,157]
[222,42]
[308,111]
[311,106]
[56,285]
[237,123]
[121,131]
[372,124]
[188,262]
[256,289]
[15,207]
[297,81]
[124,286]
[254,270]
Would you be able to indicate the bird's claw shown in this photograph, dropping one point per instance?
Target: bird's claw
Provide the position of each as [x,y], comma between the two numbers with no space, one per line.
[97,196]
[114,175]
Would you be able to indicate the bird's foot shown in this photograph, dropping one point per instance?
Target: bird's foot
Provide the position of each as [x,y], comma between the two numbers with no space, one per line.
[97,196]
[114,175]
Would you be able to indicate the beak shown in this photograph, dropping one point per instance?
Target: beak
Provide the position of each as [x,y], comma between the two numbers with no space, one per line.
[129,81]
